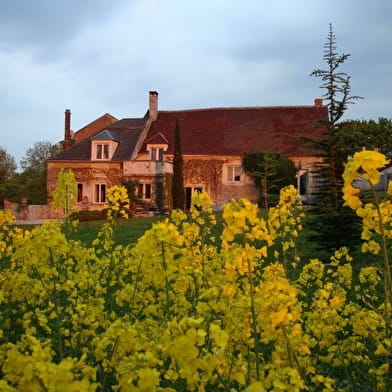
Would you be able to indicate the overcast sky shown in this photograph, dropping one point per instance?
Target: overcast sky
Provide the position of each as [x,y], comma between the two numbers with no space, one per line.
[96,57]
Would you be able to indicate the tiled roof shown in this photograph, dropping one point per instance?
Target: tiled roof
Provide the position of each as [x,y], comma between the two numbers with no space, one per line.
[157,139]
[104,135]
[93,127]
[126,132]
[235,131]
[216,131]
[127,139]
[129,123]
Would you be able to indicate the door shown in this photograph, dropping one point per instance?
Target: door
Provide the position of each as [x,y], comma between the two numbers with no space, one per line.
[188,195]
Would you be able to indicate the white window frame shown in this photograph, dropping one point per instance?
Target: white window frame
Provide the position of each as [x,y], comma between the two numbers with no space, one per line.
[102,150]
[156,154]
[143,193]
[97,196]
[193,189]
[155,151]
[231,175]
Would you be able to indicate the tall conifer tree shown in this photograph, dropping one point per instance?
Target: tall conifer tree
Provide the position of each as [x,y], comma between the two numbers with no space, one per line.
[178,193]
[334,225]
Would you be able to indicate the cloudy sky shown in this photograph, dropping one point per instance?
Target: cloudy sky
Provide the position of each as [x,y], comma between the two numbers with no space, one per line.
[96,57]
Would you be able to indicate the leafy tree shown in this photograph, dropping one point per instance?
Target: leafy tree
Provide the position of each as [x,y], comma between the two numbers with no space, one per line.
[37,155]
[271,171]
[7,171]
[333,224]
[30,183]
[66,192]
[178,194]
[371,134]
[7,165]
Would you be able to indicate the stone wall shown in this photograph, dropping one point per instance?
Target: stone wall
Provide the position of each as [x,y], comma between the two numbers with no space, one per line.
[209,173]
[13,207]
[38,212]
[87,173]
[22,211]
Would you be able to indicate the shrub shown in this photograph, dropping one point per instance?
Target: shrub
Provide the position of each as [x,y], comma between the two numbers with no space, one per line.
[88,215]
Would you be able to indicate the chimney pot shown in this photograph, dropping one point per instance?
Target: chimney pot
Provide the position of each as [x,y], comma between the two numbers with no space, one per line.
[318,102]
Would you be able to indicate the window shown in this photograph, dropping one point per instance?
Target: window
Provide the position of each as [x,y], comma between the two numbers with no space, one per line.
[144,191]
[234,173]
[147,191]
[99,193]
[102,151]
[189,191]
[156,154]
[80,192]
[302,182]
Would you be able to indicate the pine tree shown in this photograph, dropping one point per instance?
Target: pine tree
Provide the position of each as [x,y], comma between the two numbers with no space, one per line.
[334,225]
[336,84]
[177,191]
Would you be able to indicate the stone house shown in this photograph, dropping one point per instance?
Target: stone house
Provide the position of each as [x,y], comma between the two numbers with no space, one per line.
[214,142]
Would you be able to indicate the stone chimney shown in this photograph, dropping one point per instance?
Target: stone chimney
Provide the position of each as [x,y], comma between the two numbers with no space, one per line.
[153,105]
[318,102]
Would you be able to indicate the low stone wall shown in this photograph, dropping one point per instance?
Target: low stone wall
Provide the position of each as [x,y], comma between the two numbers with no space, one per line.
[13,207]
[38,212]
[22,211]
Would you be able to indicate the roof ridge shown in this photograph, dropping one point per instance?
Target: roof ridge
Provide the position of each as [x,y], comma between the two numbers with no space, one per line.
[132,118]
[158,134]
[229,108]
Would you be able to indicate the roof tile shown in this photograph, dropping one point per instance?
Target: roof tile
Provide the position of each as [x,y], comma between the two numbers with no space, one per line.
[235,131]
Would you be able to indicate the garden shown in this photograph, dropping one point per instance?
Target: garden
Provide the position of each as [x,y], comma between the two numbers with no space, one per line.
[193,305]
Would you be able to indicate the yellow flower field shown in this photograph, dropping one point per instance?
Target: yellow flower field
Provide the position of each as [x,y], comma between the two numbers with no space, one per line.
[176,312]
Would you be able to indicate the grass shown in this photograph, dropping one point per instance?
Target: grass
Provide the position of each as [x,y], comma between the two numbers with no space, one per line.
[127,231]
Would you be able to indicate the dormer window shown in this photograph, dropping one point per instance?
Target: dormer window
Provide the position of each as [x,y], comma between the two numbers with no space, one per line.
[102,151]
[156,146]
[103,146]
[156,154]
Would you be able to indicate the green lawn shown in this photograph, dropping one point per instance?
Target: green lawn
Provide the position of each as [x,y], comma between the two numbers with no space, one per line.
[126,231]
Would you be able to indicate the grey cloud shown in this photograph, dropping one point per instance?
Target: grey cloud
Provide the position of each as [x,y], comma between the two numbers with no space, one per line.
[46,26]
[94,57]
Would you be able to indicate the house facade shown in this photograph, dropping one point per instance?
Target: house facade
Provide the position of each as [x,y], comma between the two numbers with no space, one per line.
[108,150]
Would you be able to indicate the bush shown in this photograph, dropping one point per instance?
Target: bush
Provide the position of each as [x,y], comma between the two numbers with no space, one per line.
[88,215]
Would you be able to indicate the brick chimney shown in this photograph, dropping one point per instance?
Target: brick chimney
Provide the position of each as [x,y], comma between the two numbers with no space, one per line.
[153,105]
[318,102]
[67,130]
[67,125]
